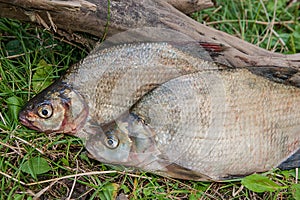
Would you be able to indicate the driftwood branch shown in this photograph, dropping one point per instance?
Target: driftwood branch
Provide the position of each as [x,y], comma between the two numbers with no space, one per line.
[190,6]
[102,17]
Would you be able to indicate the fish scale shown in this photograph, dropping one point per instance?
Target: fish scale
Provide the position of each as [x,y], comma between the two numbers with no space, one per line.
[238,132]
[141,100]
[112,88]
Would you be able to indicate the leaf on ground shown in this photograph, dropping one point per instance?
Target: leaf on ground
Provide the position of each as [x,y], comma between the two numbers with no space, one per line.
[125,189]
[18,197]
[109,191]
[260,183]
[40,78]
[196,196]
[14,106]
[14,47]
[36,166]
[65,161]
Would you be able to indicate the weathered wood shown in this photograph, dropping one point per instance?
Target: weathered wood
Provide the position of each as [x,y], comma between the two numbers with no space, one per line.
[190,6]
[102,17]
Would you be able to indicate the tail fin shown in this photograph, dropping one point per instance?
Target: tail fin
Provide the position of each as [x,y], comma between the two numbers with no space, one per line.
[292,162]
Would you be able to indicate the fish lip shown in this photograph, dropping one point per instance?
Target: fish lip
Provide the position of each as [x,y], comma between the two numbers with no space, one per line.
[26,122]
[23,120]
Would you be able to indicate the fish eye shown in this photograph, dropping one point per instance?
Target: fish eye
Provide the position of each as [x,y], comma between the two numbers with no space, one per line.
[45,111]
[112,141]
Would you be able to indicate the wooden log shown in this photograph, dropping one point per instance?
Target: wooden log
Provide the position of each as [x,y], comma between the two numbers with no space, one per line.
[104,18]
[190,6]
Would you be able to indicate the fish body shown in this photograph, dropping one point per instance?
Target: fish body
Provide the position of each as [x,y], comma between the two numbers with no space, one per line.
[167,109]
[233,118]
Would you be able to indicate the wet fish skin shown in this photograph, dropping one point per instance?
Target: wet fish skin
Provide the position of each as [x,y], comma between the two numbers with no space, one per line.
[141,104]
[211,130]
[126,73]
[245,122]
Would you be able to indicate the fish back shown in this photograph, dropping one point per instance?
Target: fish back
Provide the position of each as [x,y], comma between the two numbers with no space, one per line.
[112,86]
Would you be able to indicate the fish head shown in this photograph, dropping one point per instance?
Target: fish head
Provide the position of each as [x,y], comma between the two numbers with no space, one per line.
[57,109]
[108,143]
[125,141]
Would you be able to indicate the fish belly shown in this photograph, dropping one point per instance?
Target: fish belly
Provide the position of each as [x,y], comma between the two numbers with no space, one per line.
[223,123]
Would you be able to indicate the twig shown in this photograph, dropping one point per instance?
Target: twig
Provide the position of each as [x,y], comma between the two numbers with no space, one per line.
[84,194]
[28,143]
[235,193]
[11,147]
[72,176]
[279,38]
[54,27]
[206,193]
[272,24]
[41,21]
[70,43]
[2,119]
[12,178]
[22,54]
[40,193]
[74,183]
[297,173]
[265,10]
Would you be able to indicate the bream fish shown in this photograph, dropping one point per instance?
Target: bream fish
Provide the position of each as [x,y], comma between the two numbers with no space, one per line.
[143,99]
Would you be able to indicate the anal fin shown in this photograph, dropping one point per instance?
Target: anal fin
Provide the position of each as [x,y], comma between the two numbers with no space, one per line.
[180,172]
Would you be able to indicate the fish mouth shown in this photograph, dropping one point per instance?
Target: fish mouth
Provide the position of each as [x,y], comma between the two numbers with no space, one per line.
[23,120]
[26,122]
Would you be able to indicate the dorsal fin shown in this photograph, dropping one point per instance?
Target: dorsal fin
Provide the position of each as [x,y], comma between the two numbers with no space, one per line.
[284,75]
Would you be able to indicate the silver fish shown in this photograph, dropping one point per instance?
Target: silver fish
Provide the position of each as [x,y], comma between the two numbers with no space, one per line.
[143,100]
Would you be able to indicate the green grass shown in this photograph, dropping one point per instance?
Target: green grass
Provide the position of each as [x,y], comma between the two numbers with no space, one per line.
[31,58]
[273,25]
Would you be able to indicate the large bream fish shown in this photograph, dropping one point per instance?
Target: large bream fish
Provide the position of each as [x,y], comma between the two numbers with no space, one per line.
[151,99]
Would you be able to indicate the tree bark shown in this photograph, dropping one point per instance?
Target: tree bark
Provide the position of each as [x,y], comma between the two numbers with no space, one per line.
[104,18]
